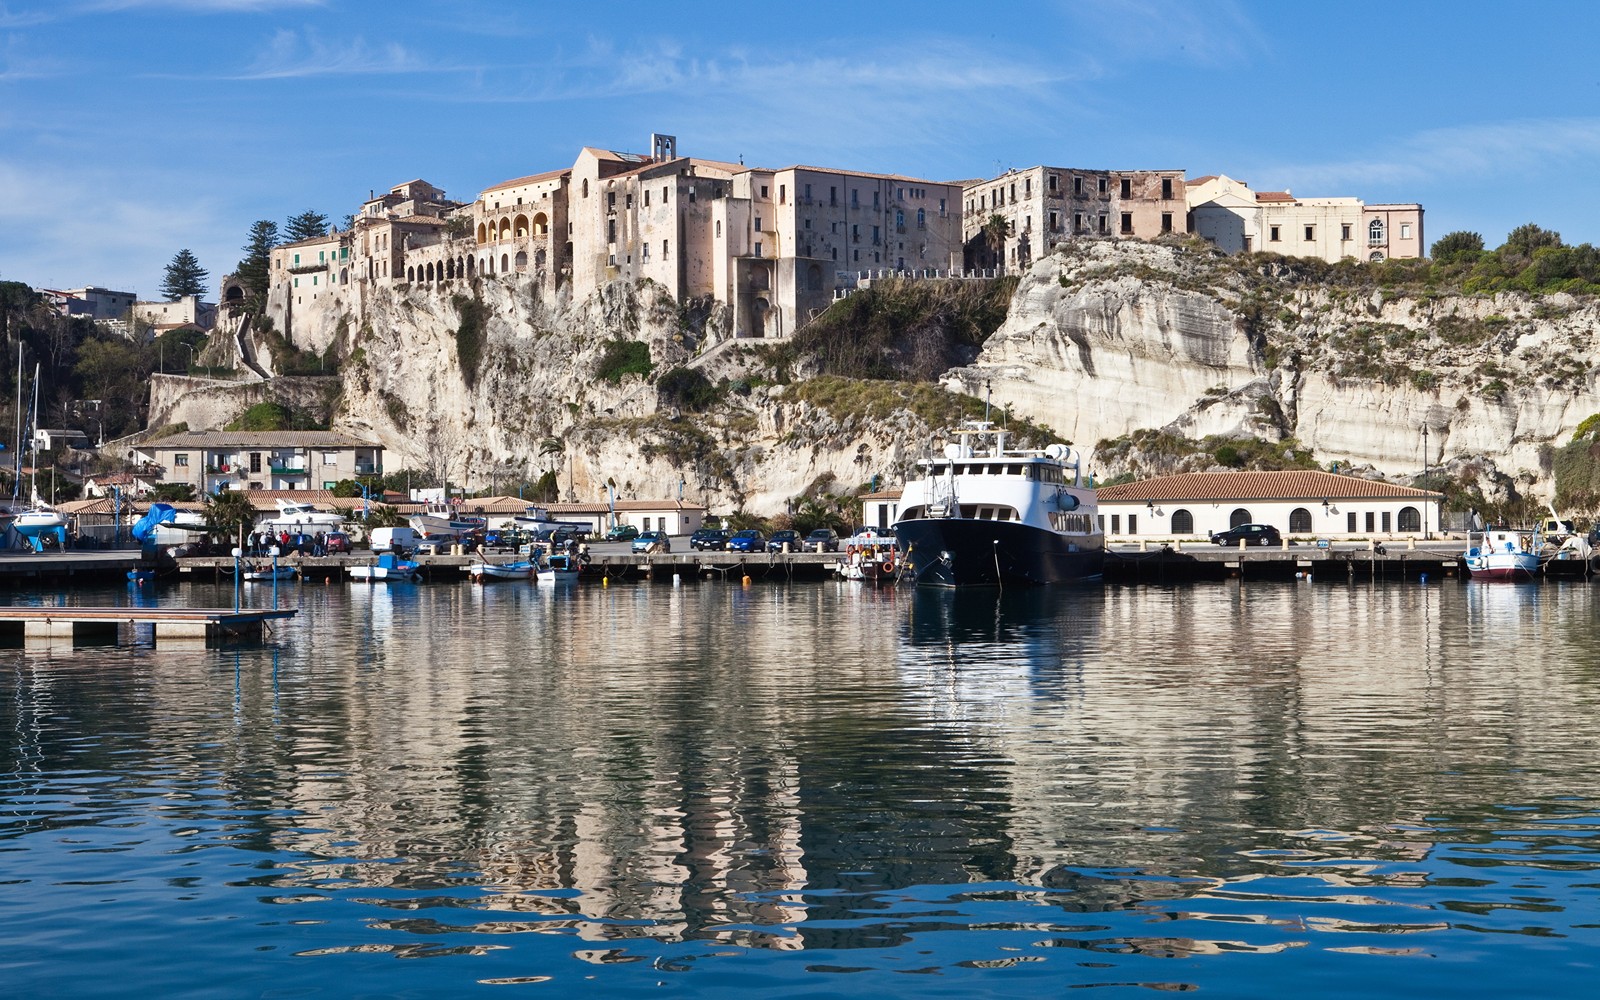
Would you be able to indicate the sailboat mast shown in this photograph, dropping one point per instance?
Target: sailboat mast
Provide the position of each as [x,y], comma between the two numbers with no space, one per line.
[33,419]
[16,458]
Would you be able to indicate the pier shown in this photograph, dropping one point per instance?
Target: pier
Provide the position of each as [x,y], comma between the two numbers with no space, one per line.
[188,626]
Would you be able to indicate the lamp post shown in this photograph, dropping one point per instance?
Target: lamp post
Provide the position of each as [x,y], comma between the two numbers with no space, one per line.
[1426,532]
[274,578]
[237,552]
[190,349]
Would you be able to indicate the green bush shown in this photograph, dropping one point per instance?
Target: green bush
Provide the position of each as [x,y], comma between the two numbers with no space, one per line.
[470,337]
[623,357]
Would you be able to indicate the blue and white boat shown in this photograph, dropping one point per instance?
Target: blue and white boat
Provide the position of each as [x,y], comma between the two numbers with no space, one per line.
[985,515]
[560,568]
[483,572]
[389,568]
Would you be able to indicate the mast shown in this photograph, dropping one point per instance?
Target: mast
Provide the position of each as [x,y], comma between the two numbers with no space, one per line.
[33,418]
[16,458]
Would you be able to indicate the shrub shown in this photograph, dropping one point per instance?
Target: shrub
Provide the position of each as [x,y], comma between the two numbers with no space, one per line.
[470,337]
[623,357]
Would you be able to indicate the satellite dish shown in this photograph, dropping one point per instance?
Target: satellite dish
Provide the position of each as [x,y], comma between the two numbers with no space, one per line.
[952,451]
[1056,451]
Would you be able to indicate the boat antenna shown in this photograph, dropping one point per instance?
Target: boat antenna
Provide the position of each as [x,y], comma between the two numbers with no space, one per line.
[988,390]
[16,459]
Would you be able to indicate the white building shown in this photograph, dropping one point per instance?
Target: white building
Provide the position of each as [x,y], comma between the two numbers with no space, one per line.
[1300,504]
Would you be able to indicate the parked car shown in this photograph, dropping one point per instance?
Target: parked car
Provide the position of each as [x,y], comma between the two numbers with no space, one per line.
[1250,534]
[825,537]
[748,540]
[336,543]
[437,545]
[652,541]
[709,538]
[781,538]
[622,533]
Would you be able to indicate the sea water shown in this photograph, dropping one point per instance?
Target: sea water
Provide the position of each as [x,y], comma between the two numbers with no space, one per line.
[1255,790]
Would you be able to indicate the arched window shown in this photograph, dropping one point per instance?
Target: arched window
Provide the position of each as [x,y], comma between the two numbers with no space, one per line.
[483,234]
[1299,521]
[1410,519]
[522,260]
[538,259]
[505,263]
[1238,517]
[1182,522]
[411,274]
[1376,257]
[1375,231]
[586,187]
[472,264]
[522,226]
[922,218]
[541,225]
[344,276]
[505,228]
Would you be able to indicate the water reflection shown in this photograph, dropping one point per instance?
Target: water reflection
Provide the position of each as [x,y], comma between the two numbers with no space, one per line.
[523,777]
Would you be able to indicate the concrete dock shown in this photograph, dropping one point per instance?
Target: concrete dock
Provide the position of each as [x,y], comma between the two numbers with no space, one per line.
[65,625]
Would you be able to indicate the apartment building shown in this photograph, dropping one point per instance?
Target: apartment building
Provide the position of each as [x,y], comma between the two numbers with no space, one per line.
[260,460]
[1042,206]
[1227,213]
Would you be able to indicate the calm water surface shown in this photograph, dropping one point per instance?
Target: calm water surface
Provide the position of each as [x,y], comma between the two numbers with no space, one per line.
[814,790]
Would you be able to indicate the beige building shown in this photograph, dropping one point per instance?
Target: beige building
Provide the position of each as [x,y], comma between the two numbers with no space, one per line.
[1228,214]
[260,460]
[186,311]
[775,245]
[1044,206]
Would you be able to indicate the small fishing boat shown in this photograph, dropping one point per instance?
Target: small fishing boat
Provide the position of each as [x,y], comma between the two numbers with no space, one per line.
[1504,554]
[269,572]
[483,572]
[869,556]
[560,568]
[389,568]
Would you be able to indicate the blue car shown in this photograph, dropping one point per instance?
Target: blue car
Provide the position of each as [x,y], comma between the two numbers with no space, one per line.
[652,541]
[748,540]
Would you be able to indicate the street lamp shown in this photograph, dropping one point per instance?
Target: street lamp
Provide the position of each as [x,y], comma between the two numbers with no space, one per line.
[190,349]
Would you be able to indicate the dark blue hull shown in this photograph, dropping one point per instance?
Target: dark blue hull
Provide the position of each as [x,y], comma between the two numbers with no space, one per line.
[962,552]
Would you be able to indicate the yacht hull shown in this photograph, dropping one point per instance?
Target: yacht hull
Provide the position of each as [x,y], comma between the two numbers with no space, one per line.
[965,552]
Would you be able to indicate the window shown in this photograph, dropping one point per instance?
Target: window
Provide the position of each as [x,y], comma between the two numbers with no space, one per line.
[1372,522]
[1127,223]
[1344,231]
[1311,233]
[1299,520]
[330,458]
[611,230]
[644,254]
[296,260]
[758,223]
[1127,187]
[628,201]
[1350,523]
[1077,220]
[783,193]
[1166,222]
[1077,185]
[1387,522]
[1272,234]
[833,195]
[1166,189]
[719,227]
[1405,230]
[1102,185]
[1052,183]
[255,462]
[1055,222]
[646,205]
[180,460]
[758,248]
[1105,225]
[1238,517]
[1182,522]
[611,201]
[763,194]
[664,195]
[665,246]
[1133,524]
[1375,231]
[1116,524]
[1410,519]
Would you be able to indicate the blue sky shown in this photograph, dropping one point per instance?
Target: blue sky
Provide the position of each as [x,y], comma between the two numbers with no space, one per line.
[132,128]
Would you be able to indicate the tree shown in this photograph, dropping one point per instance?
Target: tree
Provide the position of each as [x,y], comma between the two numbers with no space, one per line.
[254,271]
[184,276]
[305,226]
[1459,245]
[1522,241]
[173,492]
[994,237]
[229,513]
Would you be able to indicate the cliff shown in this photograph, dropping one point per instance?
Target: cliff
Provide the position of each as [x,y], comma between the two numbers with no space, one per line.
[1105,338]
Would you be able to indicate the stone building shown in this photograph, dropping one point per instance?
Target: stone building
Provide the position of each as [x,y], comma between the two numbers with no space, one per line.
[1043,206]
[1228,214]
[259,460]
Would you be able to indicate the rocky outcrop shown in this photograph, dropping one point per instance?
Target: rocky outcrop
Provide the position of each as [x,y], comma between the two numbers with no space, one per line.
[1107,337]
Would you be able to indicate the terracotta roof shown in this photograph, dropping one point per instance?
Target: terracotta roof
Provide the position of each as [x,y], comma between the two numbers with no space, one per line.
[257,439]
[530,179]
[424,220]
[1193,181]
[1274,196]
[1299,485]
[882,495]
[93,505]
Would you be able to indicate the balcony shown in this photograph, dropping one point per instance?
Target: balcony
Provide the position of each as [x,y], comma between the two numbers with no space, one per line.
[288,470]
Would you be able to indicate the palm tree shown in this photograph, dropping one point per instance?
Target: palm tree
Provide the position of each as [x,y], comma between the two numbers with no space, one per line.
[994,236]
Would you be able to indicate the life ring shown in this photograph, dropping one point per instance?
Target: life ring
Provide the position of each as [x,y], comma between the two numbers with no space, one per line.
[887,566]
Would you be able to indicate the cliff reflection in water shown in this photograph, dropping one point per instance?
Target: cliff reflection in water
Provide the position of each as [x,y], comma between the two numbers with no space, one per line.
[734,762]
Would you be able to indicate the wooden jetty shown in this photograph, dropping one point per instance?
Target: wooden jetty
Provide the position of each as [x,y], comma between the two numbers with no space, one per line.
[57,624]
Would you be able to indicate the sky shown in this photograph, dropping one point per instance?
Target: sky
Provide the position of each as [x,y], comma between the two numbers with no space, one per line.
[132,129]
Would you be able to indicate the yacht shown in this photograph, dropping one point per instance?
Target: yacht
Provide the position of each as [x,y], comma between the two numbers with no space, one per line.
[297,514]
[986,515]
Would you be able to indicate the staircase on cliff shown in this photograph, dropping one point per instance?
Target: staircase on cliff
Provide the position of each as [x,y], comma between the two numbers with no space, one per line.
[245,350]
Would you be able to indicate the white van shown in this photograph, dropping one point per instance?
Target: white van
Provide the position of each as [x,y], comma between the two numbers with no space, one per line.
[392,539]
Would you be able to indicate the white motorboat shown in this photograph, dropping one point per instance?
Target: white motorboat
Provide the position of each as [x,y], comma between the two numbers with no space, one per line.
[560,568]
[1502,553]
[300,515]
[268,572]
[983,514]
[483,572]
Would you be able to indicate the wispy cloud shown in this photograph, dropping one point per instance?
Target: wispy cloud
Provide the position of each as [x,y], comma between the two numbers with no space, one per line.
[1211,35]
[19,61]
[11,20]
[292,55]
[1471,151]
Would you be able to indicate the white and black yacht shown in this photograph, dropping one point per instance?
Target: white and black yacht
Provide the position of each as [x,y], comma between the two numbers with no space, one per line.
[983,515]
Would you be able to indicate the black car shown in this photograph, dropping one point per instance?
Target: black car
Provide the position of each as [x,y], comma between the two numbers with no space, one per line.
[825,537]
[709,538]
[1250,534]
[781,538]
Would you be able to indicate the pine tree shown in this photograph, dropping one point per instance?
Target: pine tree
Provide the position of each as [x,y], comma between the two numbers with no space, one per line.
[184,276]
[306,225]
[254,271]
